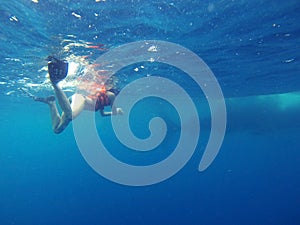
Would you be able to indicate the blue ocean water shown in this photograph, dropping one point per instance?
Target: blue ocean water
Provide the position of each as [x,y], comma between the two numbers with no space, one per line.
[252,47]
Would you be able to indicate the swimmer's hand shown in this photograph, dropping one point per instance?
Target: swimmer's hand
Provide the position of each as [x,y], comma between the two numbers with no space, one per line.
[114,112]
[119,111]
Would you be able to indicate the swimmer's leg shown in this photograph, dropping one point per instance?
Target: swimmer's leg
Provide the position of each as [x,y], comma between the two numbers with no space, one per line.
[66,117]
[70,112]
[59,123]
[55,117]
[77,105]
[63,101]
[46,100]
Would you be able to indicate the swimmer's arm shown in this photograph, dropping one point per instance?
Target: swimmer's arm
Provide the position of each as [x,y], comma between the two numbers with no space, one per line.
[105,113]
[115,111]
[111,98]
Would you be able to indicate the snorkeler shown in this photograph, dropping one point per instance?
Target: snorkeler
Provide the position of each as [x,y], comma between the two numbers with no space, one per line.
[58,70]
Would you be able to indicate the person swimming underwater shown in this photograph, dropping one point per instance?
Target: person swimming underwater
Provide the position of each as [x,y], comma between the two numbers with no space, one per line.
[58,70]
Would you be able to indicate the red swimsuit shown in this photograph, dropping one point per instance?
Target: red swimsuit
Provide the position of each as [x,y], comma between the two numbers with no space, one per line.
[102,101]
[95,91]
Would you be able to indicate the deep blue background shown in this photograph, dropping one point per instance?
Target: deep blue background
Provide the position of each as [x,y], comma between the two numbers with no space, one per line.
[253,49]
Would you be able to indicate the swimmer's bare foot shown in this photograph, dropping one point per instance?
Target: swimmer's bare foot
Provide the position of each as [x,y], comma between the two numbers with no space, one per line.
[47,100]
